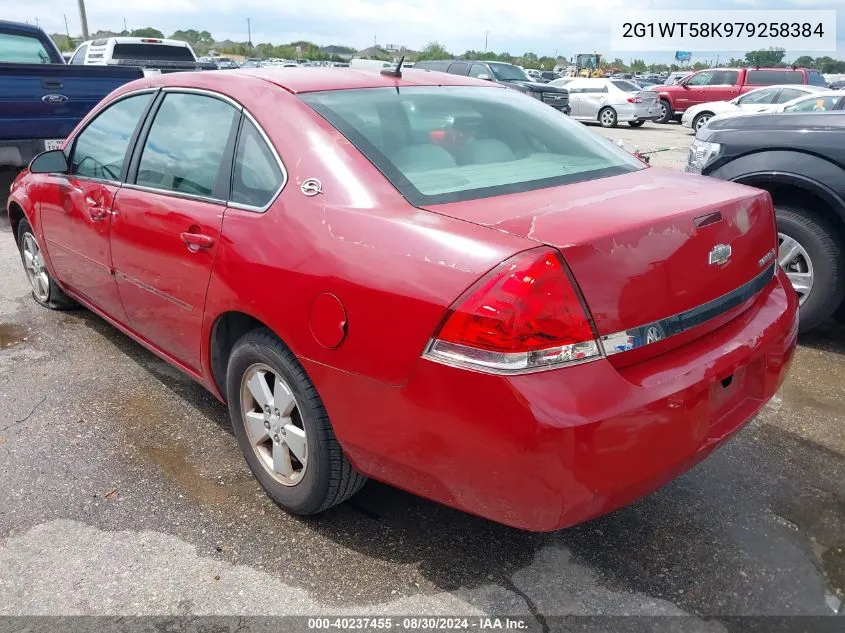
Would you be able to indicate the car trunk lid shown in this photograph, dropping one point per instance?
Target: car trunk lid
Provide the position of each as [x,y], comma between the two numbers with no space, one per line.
[644,246]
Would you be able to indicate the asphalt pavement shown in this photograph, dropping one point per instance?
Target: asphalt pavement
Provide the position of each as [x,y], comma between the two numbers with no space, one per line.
[123,492]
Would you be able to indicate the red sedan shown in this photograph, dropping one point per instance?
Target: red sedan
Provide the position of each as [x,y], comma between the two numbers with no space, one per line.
[429,280]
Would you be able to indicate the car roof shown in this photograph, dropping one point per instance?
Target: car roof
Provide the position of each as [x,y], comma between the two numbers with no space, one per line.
[302,80]
[20,26]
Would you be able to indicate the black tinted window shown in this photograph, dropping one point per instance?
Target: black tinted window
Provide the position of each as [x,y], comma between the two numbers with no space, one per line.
[100,150]
[184,150]
[768,77]
[158,52]
[459,69]
[257,176]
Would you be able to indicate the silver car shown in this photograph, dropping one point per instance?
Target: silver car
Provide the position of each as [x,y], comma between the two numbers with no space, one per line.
[610,101]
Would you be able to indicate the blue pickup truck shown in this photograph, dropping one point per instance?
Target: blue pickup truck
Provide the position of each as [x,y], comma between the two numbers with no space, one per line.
[42,98]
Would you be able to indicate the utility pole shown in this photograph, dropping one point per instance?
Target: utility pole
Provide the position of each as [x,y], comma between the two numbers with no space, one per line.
[486,35]
[67,29]
[125,28]
[83,18]
[249,35]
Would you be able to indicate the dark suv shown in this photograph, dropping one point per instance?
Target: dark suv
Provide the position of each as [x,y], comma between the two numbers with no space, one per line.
[799,158]
[500,72]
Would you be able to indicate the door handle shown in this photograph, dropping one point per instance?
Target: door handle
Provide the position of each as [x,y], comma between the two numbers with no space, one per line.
[97,212]
[196,241]
[51,84]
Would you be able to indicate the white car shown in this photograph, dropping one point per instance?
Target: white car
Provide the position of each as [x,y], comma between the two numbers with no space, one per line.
[610,101]
[818,102]
[758,100]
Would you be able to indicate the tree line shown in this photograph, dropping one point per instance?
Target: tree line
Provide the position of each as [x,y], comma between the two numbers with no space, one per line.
[202,42]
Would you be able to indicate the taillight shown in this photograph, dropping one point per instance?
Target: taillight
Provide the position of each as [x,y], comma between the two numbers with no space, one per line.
[524,315]
[635,100]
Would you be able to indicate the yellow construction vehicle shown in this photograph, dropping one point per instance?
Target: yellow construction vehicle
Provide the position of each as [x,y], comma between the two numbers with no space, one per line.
[588,65]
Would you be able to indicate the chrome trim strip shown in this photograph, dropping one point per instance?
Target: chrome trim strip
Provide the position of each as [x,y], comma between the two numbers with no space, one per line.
[454,361]
[663,329]
[173,194]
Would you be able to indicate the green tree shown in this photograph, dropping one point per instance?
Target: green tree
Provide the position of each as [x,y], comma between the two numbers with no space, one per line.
[63,42]
[765,57]
[147,32]
[804,60]
[638,65]
[434,50]
[192,36]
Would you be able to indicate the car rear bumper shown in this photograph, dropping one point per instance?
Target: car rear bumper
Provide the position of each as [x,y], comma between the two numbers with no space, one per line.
[551,449]
[638,112]
[686,119]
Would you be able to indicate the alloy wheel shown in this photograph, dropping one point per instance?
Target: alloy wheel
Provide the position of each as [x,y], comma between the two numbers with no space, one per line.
[607,117]
[701,121]
[796,263]
[273,424]
[36,271]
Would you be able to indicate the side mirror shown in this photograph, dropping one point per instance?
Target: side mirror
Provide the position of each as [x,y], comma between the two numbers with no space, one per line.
[485,77]
[52,162]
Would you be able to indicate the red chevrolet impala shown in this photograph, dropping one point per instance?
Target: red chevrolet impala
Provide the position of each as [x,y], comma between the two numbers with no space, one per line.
[426,279]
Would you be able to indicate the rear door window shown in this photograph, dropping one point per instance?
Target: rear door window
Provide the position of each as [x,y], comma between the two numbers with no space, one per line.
[257,177]
[479,69]
[724,78]
[22,49]
[99,152]
[459,68]
[788,94]
[185,149]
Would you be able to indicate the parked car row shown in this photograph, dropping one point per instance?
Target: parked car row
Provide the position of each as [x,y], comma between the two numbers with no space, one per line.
[723,84]
[507,74]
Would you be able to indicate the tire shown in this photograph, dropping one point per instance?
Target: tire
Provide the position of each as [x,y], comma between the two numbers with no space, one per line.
[45,290]
[607,117]
[325,478]
[636,123]
[700,120]
[666,113]
[821,246]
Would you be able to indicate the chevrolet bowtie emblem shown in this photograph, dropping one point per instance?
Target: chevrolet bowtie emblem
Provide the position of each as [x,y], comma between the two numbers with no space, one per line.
[720,254]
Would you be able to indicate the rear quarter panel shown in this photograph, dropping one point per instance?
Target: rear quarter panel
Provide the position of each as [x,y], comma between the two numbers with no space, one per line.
[395,268]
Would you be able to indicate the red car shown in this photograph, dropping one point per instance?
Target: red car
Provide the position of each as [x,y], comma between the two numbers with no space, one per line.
[723,84]
[429,280]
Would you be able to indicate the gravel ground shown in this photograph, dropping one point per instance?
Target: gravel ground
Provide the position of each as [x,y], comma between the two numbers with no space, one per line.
[123,493]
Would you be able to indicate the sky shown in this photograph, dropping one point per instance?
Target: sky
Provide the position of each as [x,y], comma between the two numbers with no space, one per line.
[546,27]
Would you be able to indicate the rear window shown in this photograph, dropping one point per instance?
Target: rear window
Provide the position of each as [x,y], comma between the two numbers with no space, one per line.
[769,77]
[625,86]
[450,144]
[158,52]
[22,49]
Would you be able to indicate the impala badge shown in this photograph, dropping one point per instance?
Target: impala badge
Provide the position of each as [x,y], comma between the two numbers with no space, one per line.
[311,187]
[765,259]
[55,99]
[720,254]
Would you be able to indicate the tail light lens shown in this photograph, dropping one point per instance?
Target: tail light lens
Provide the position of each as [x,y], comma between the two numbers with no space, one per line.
[635,100]
[524,315]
